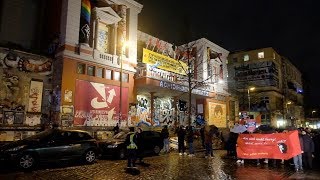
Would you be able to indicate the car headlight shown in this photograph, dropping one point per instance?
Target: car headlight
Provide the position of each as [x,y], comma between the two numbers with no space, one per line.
[112,146]
[16,148]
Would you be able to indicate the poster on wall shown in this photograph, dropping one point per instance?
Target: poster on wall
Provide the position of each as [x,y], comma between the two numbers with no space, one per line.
[33,119]
[18,117]
[1,115]
[98,104]
[35,96]
[8,117]
[68,96]
[217,115]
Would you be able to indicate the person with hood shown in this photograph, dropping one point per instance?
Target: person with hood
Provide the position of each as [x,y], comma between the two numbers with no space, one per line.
[308,149]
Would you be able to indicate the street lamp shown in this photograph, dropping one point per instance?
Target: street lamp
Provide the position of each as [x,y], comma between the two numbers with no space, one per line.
[250,89]
[313,112]
[124,45]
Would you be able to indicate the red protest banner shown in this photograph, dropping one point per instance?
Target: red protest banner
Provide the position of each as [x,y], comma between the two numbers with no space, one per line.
[271,146]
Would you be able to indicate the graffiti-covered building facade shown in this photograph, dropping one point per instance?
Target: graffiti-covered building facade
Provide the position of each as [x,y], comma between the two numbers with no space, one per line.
[162,83]
[97,69]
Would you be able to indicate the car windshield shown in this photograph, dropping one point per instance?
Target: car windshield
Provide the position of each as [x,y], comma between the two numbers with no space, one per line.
[120,135]
[40,136]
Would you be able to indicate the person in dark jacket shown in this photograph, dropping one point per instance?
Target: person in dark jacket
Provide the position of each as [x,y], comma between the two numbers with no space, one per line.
[181,136]
[297,160]
[308,149]
[131,143]
[202,136]
[165,137]
[116,129]
[141,148]
[208,136]
[190,135]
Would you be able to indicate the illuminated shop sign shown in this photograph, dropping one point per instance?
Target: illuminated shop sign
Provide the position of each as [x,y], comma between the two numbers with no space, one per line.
[181,88]
[164,62]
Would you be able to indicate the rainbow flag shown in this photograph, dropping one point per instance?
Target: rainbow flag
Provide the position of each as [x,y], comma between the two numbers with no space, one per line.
[86,10]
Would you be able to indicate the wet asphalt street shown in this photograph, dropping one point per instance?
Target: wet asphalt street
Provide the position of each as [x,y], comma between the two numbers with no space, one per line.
[165,166]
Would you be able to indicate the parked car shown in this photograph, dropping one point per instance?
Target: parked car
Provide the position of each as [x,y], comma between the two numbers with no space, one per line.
[151,143]
[50,145]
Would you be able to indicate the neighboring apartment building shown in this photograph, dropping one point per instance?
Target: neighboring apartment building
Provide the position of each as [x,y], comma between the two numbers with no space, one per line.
[162,82]
[277,97]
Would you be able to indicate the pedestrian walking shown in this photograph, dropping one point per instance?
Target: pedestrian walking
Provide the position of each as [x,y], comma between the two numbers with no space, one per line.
[297,160]
[308,149]
[165,137]
[141,147]
[202,136]
[131,143]
[181,137]
[190,137]
[208,136]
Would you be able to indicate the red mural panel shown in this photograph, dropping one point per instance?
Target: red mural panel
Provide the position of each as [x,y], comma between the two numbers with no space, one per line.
[98,104]
[272,146]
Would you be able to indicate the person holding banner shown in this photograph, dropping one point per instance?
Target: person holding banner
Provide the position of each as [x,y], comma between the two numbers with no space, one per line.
[297,160]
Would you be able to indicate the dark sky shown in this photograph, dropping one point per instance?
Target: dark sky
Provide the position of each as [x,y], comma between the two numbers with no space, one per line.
[290,26]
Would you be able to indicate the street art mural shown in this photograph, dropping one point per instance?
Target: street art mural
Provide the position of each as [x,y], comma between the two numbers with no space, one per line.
[143,116]
[217,115]
[17,69]
[164,111]
[98,104]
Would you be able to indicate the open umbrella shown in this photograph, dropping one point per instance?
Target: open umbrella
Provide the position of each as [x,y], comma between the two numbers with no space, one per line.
[238,128]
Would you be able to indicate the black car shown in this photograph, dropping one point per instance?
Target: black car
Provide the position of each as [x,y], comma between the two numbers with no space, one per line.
[50,145]
[151,143]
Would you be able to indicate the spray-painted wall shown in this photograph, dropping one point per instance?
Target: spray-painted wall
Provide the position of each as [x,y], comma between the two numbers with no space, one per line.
[24,82]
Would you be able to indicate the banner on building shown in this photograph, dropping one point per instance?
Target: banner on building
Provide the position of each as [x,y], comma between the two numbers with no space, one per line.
[98,104]
[164,62]
[35,96]
[217,115]
[271,146]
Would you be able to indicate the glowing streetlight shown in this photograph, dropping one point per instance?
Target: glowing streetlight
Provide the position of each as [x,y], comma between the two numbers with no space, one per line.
[313,112]
[250,89]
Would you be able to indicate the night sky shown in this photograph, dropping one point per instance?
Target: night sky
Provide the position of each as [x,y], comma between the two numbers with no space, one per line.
[290,26]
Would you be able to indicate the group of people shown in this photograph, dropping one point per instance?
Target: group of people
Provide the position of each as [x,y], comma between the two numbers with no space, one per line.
[308,144]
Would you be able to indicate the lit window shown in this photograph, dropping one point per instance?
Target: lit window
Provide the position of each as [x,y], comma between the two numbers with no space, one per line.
[260,55]
[81,68]
[100,72]
[108,74]
[90,70]
[116,76]
[246,57]
[125,77]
